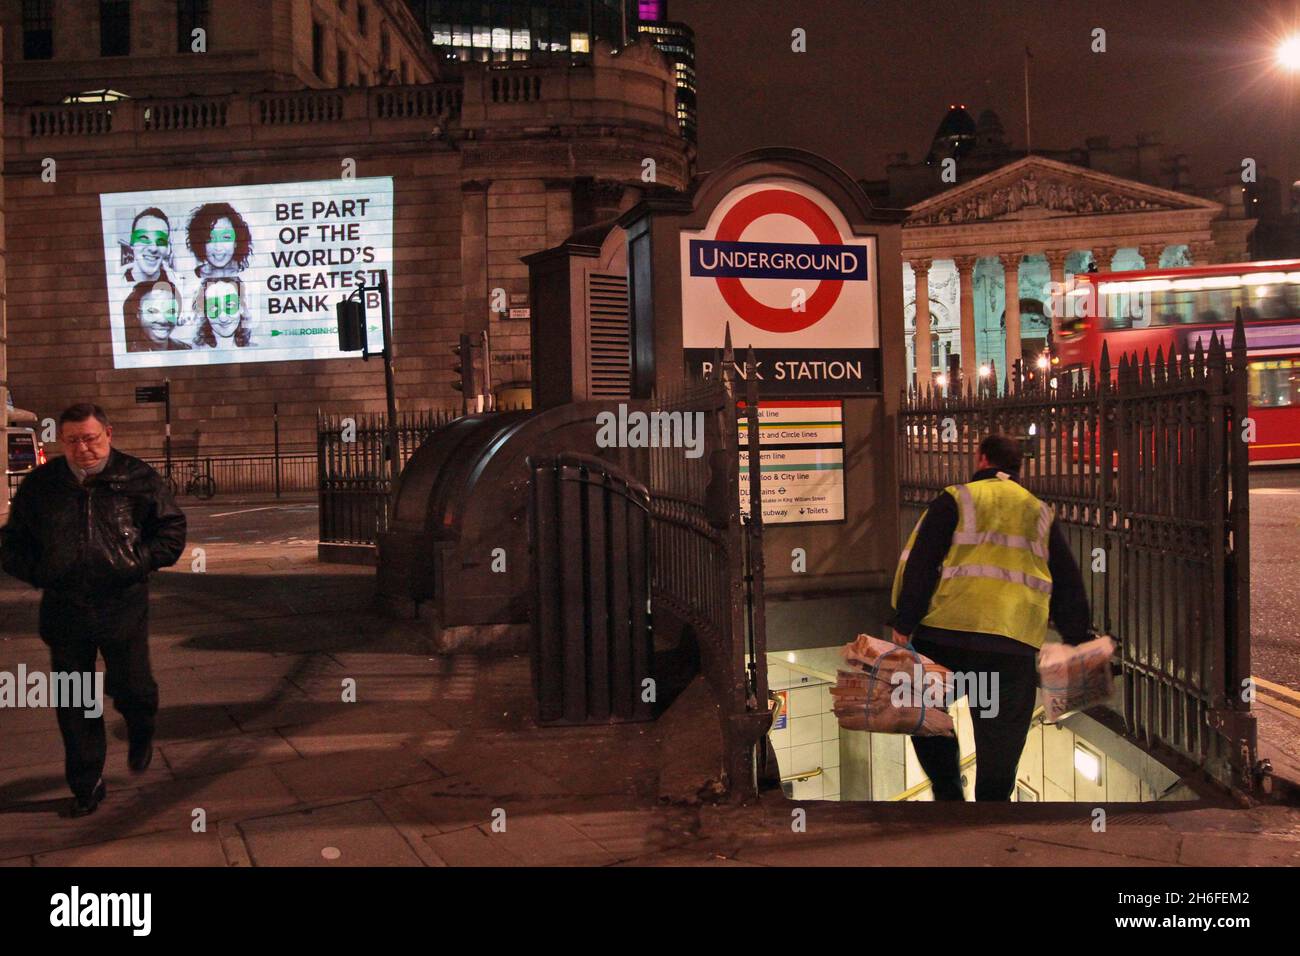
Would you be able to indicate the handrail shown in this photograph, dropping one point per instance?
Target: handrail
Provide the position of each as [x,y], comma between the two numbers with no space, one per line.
[803,776]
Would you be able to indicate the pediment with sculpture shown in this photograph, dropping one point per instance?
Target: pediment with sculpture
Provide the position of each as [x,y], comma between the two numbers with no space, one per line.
[1035,188]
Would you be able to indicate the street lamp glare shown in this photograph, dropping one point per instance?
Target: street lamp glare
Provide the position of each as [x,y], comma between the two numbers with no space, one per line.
[1288,54]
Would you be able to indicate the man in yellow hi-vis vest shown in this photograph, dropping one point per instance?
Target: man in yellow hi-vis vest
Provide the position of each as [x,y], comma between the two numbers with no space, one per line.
[985,569]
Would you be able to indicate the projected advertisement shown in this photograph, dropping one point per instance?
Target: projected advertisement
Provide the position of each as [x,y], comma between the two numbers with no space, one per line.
[242,273]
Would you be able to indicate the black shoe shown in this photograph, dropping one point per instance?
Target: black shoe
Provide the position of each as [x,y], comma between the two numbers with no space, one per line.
[140,754]
[85,807]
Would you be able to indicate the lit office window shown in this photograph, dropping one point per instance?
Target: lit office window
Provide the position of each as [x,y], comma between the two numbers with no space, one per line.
[579,43]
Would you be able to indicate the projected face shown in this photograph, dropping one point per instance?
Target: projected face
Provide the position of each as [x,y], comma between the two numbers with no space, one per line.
[158,315]
[222,307]
[150,241]
[221,244]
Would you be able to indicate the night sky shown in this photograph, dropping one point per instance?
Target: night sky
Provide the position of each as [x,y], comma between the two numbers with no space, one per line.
[879,75]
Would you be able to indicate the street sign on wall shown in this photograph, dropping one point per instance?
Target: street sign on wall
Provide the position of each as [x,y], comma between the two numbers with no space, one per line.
[779,263]
[148,394]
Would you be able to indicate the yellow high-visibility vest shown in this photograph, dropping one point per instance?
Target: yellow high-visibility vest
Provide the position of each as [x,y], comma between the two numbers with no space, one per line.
[994,579]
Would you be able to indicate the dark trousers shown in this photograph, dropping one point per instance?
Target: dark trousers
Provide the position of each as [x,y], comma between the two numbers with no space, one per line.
[78,629]
[999,740]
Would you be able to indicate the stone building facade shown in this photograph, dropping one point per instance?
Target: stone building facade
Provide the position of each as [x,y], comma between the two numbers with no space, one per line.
[63,47]
[486,167]
[989,228]
[983,253]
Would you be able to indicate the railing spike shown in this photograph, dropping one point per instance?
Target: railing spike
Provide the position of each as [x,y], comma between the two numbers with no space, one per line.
[1238,341]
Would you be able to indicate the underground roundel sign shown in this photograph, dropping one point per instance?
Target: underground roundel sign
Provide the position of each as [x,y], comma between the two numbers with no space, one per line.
[779,262]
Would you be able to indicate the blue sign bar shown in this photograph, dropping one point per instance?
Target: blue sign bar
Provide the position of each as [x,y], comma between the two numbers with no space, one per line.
[777,260]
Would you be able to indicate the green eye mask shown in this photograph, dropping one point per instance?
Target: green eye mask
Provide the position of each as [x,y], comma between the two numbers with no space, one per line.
[215,305]
[144,237]
[222,235]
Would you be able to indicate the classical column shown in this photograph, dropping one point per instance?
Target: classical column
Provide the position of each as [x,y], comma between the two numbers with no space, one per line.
[1104,256]
[1011,283]
[1150,253]
[1056,265]
[966,278]
[921,325]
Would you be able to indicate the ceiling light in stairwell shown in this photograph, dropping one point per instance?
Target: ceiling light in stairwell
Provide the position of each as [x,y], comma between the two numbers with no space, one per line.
[1087,763]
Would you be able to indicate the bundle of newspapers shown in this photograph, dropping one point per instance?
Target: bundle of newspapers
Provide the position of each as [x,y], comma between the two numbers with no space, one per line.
[891,689]
[1074,678]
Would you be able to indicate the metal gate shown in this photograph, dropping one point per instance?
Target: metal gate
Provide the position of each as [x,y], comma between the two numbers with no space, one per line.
[708,555]
[702,555]
[1145,465]
[592,646]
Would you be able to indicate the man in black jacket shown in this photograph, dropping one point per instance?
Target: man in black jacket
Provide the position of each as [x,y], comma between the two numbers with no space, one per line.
[964,610]
[88,529]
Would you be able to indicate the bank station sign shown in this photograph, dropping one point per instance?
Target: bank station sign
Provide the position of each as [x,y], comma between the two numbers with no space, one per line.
[779,262]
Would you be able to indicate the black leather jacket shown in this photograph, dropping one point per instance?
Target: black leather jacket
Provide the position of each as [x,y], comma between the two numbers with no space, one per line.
[96,538]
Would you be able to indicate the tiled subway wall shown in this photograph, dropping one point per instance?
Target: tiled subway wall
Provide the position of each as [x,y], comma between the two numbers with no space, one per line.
[810,738]
[856,765]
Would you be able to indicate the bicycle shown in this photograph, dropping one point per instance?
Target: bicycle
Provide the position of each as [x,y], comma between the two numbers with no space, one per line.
[198,483]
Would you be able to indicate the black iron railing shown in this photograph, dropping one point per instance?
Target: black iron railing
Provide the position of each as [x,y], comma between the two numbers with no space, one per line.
[289,473]
[354,480]
[1146,468]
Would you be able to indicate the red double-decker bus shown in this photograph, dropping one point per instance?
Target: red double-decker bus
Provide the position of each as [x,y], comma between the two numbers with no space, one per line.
[1165,309]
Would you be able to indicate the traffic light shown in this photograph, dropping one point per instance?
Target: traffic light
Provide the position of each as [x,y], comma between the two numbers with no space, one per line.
[474,371]
[352,325]
[465,367]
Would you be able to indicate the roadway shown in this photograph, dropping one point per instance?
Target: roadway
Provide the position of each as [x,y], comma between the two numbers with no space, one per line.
[1274,573]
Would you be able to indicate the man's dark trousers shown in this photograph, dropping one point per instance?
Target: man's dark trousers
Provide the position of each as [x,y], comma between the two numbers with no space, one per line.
[77,627]
[999,740]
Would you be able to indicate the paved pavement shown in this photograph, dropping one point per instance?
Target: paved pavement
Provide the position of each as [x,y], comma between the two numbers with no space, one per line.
[261,761]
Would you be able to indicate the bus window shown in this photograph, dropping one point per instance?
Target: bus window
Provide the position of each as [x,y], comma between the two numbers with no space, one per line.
[1274,384]
[1173,307]
[1269,302]
[1214,305]
[1115,311]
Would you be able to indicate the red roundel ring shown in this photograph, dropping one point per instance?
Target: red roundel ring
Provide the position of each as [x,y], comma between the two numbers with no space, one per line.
[734,223]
